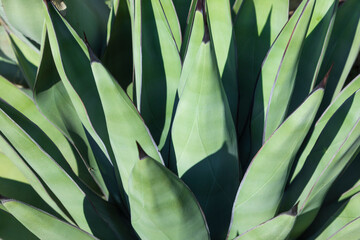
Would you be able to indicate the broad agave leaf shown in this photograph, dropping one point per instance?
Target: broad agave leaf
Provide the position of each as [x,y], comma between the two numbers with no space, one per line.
[124,123]
[238,93]
[162,206]
[265,178]
[204,140]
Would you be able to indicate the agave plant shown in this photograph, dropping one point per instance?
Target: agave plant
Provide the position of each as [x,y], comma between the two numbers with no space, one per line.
[160,119]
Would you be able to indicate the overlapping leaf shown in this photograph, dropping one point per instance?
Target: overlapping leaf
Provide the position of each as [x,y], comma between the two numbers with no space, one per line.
[343,48]
[256,26]
[204,140]
[162,206]
[325,162]
[261,189]
[277,228]
[123,122]
[54,102]
[276,80]
[42,224]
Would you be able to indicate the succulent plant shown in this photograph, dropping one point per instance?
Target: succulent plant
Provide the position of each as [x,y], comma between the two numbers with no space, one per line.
[160,119]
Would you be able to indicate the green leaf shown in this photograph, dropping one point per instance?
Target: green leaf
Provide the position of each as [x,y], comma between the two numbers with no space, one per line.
[222,37]
[350,89]
[237,5]
[189,24]
[118,53]
[135,15]
[27,57]
[54,102]
[204,141]
[13,184]
[20,132]
[315,45]
[195,40]
[42,224]
[39,187]
[342,222]
[76,75]
[343,48]
[276,80]
[182,9]
[162,207]
[26,16]
[277,228]
[92,21]
[10,228]
[171,17]
[220,24]
[325,162]
[256,26]
[161,68]
[262,187]
[124,123]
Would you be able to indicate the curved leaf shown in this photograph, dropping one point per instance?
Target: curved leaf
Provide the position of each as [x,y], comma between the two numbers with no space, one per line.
[124,123]
[161,68]
[13,184]
[63,187]
[262,187]
[276,80]
[256,26]
[118,53]
[162,207]
[222,37]
[340,222]
[325,162]
[324,119]
[277,228]
[343,48]
[204,141]
[195,40]
[54,102]
[76,75]
[27,57]
[29,23]
[315,44]
[41,223]
[10,228]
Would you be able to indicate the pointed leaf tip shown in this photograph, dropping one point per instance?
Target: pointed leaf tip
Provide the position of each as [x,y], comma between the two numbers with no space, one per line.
[142,153]
[200,6]
[323,82]
[93,57]
[294,210]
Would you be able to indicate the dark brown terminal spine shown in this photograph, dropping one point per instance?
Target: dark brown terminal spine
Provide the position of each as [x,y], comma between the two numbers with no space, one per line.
[200,6]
